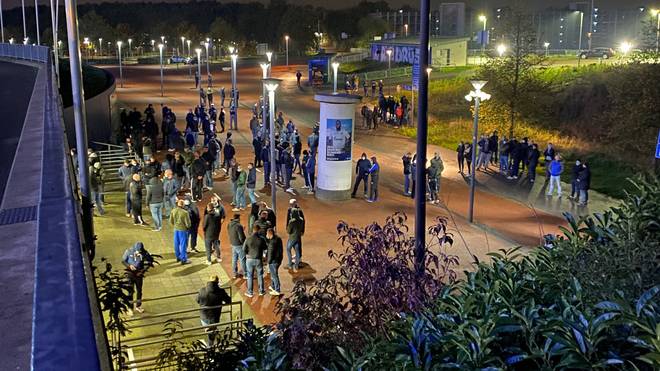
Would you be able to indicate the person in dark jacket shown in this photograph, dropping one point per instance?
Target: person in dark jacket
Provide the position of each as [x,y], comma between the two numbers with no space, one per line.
[310,167]
[155,197]
[548,155]
[361,174]
[274,257]
[533,157]
[212,226]
[137,261]
[208,158]
[229,152]
[135,188]
[254,249]
[493,143]
[584,183]
[406,160]
[236,234]
[374,172]
[211,299]
[251,183]
[197,172]
[295,229]
[575,172]
[193,211]
[460,156]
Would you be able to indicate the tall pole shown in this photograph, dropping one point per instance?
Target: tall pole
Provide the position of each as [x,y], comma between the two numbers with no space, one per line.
[234,56]
[657,31]
[580,39]
[160,49]
[2,24]
[286,43]
[24,28]
[271,86]
[264,70]
[473,170]
[54,20]
[199,65]
[121,72]
[36,15]
[80,120]
[208,70]
[422,136]
[335,66]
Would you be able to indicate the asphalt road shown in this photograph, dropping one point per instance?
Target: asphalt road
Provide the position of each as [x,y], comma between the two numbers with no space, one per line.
[15,92]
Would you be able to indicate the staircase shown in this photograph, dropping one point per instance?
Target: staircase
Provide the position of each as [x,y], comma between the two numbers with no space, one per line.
[112,158]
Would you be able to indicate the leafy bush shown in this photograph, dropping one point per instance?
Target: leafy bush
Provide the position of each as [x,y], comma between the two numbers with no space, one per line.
[375,280]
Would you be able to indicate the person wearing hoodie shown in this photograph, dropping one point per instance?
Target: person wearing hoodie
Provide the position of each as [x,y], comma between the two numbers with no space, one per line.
[137,261]
[195,220]
[575,172]
[274,257]
[198,171]
[254,249]
[180,220]
[96,178]
[241,181]
[251,182]
[361,174]
[170,188]
[295,229]
[135,188]
[555,169]
[236,234]
[212,225]
[155,196]
[211,298]
[373,174]
[584,183]
[533,157]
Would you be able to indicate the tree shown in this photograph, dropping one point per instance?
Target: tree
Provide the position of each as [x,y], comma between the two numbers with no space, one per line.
[94,26]
[511,77]
[370,27]
[221,29]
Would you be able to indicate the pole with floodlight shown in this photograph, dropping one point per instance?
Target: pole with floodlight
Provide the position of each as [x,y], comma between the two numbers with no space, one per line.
[271,85]
[269,55]
[477,96]
[335,67]
[286,44]
[264,70]
[160,49]
[121,73]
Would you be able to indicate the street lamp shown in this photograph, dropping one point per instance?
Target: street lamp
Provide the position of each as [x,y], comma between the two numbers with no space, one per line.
[231,49]
[482,18]
[656,13]
[477,95]
[188,42]
[121,74]
[271,85]
[580,39]
[546,45]
[625,47]
[286,43]
[100,46]
[153,45]
[501,48]
[335,67]
[405,28]
[234,58]
[389,62]
[269,55]
[130,48]
[264,70]
[183,45]
[160,49]
[208,70]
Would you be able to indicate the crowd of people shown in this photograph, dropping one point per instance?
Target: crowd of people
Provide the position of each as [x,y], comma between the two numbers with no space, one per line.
[387,110]
[511,157]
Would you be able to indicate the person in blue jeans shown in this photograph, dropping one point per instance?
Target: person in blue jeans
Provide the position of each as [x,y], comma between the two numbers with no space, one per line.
[241,181]
[180,220]
[254,249]
[236,234]
[556,167]
[274,257]
[251,183]
[295,229]
[155,197]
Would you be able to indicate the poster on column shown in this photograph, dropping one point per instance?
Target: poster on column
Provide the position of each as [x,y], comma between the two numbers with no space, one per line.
[338,139]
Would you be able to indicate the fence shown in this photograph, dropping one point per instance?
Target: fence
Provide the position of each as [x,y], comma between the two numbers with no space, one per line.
[34,53]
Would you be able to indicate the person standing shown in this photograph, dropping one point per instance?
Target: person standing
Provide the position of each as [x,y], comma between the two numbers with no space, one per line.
[236,234]
[361,174]
[241,181]
[575,172]
[556,169]
[125,173]
[492,144]
[212,226]
[274,257]
[229,152]
[460,156]
[233,119]
[170,188]
[534,155]
[180,220]
[310,167]
[96,178]
[136,200]
[548,155]
[584,183]
[437,167]
[505,150]
[137,261]
[254,249]
[195,220]
[373,174]
[468,157]
[295,229]
[196,78]
[298,77]
[407,162]
[155,195]
[251,182]
[211,299]
[222,99]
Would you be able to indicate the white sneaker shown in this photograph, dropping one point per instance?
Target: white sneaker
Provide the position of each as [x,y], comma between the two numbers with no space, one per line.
[249,295]
[208,262]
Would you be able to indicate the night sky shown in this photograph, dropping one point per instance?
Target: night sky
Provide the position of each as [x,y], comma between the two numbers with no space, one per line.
[541,4]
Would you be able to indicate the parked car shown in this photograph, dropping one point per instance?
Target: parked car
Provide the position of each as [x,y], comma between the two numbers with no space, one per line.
[604,53]
[191,60]
[177,59]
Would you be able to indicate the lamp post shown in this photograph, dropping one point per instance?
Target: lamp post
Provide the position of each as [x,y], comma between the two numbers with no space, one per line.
[36,15]
[160,49]
[130,47]
[208,69]
[153,45]
[656,13]
[271,85]
[483,19]
[546,45]
[269,56]
[626,47]
[2,24]
[100,46]
[477,95]
[264,70]
[24,28]
[188,42]
[121,74]
[234,57]
[286,46]
[335,67]
[405,28]
[580,38]
[183,45]
[501,49]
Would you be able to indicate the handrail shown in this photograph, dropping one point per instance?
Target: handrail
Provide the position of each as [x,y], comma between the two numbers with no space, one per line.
[152,336]
[181,312]
[226,286]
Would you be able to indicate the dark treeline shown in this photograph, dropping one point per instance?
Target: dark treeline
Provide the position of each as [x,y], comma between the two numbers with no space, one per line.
[240,23]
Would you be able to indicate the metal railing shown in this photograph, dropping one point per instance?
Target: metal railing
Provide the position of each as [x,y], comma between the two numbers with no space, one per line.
[35,53]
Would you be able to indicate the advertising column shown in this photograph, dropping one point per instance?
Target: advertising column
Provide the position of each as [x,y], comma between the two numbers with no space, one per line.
[335,153]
